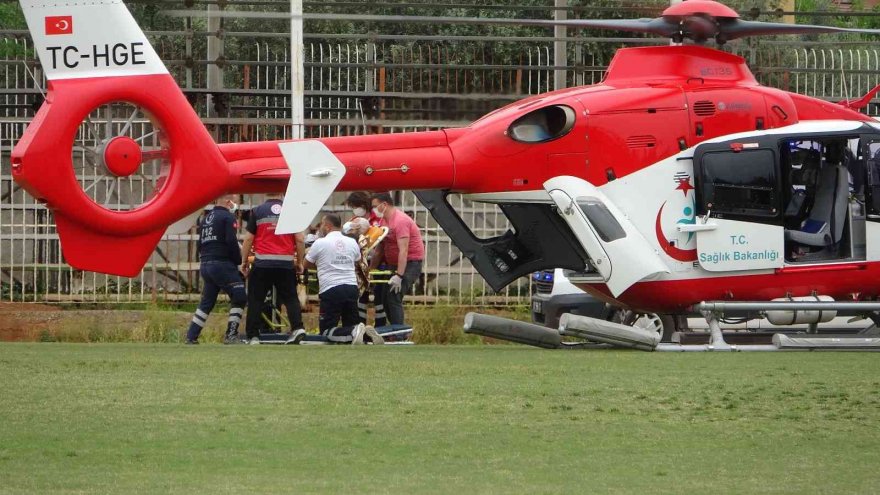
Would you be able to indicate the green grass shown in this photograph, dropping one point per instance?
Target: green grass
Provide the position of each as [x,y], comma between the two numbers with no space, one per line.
[437,324]
[142,418]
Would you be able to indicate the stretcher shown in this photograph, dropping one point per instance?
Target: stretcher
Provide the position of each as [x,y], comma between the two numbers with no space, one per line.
[392,334]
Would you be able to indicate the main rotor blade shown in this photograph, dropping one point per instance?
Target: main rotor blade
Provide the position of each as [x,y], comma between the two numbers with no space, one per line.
[669,26]
[657,26]
[736,28]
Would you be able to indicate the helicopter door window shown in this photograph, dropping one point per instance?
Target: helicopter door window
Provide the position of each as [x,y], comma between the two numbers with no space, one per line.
[601,219]
[542,125]
[740,183]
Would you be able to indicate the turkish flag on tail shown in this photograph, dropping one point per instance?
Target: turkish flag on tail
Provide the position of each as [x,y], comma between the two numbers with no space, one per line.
[59,24]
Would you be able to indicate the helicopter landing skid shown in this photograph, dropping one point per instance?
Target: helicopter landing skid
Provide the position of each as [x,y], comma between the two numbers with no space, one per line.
[716,340]
[596,333]
[713,311]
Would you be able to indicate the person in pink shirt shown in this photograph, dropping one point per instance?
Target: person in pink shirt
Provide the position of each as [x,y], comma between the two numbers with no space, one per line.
[402,251]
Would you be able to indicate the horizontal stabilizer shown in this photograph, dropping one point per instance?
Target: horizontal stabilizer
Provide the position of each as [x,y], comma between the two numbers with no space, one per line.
[861,102]
[314,174]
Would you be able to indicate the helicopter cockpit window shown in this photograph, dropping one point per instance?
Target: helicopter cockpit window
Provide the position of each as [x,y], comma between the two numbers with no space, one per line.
[740,183]
[542,124]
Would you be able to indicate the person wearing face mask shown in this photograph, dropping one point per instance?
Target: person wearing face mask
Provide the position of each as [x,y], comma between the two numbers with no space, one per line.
[361,208]
[335,258]
[220,256]
[402,250]
[359,202]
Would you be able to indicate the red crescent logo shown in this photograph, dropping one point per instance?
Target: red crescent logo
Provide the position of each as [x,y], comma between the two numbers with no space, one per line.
[673,252]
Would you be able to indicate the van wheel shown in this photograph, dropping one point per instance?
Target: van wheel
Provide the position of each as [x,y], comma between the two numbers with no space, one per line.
[663,325]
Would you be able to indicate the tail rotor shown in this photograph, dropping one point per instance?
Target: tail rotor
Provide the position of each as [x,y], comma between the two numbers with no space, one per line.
[121,160]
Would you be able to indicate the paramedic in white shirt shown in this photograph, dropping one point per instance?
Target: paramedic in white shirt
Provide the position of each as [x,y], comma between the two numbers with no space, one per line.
[335,257]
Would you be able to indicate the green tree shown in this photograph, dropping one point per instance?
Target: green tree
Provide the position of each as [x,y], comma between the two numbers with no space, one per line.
[11,18]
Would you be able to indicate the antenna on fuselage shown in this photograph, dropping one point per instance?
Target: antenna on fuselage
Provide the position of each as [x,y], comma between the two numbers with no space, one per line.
[843,83]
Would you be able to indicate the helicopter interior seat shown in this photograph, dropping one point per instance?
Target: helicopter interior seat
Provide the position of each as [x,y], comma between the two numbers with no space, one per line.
[794,211]
[857,173]
[803,185]
[824,226]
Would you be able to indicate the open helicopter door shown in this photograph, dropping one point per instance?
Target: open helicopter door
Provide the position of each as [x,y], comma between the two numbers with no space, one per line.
[739,222]
[871,153]
[616,249]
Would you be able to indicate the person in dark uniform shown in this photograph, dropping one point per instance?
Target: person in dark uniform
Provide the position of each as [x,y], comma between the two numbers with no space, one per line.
[274,258]
[220,256]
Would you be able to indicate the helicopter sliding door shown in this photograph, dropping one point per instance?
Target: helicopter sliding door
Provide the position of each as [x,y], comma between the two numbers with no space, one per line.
[738,198]
[871,153]
[615,248]
[824,195]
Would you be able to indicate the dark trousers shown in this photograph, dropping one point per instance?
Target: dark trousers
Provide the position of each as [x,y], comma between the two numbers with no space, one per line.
[378,298]
[283,281]
[219,275]
[394,300]
[340,302]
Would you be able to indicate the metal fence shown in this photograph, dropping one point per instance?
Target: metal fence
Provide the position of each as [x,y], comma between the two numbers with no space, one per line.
[32,266]
[352,87]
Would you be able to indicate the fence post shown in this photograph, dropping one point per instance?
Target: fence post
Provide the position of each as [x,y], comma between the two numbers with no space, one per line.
[297,70]
[560,47]
[215,54]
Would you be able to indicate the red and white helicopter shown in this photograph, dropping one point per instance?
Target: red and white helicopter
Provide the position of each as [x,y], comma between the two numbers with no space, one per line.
[677,180]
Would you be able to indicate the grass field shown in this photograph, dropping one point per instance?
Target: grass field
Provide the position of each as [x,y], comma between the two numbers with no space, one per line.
[144,418]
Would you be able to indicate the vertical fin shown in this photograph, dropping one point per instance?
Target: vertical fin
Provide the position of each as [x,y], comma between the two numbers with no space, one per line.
[89,38]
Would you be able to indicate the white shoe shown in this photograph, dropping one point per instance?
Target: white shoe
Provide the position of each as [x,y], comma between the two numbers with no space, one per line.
[254,341]
[296,337]
[357,334]
[374,336]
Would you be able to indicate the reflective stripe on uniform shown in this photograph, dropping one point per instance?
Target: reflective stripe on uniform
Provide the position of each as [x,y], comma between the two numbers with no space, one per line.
[272,220]
[332,337]
[274,257]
